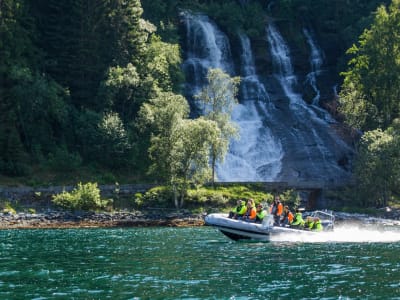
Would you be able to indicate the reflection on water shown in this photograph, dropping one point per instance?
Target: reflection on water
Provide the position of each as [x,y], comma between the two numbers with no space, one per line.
[194,263]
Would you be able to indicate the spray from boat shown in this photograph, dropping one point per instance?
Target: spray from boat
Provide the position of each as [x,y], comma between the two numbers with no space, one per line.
[347,233]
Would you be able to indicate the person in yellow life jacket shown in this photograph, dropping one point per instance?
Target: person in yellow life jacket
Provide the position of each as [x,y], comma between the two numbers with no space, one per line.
[260,213]
[287,216]
[251,213]
[309,223]
[276,210]
[298,221]
[317,225]
[239,210]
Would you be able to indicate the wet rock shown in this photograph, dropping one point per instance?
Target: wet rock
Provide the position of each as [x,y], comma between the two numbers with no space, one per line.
[63,219]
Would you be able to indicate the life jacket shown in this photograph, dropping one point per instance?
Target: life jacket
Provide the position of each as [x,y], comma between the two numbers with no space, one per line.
[261,215]
[251,214]
[240,209]
[309,224]
[279,209]
[298,220]
[317,226]
[276,209]
[290,217]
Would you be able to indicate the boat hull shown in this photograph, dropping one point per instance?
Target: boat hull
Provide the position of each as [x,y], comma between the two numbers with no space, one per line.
[240,230]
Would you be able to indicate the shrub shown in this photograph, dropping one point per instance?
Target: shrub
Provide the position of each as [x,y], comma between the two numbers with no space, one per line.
[138,200]
[159,196]
[32,211]
[84,197]
[8,209]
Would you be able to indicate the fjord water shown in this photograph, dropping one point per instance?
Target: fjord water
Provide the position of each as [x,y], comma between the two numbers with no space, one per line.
[194,263]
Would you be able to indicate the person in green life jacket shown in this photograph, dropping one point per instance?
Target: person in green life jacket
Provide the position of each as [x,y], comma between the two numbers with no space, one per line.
[313,224]
[298,221]
[239,210]
[261,213]
[317,225]
[309,223]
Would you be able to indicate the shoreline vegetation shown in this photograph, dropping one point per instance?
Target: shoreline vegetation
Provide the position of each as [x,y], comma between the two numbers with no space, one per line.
[92,206]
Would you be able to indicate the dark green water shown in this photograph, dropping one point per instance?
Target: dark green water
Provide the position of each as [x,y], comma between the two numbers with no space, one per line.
[189,263]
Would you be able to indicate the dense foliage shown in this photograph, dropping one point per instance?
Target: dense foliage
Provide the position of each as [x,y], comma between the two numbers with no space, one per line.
[74,75]
[97,85]
[370,102]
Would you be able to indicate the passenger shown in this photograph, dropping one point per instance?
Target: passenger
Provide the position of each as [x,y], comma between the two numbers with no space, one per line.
[317,225]
[239,210]
[309,223]
[287,216]
[261,213]
[251,213]
[276,210]
[298,221]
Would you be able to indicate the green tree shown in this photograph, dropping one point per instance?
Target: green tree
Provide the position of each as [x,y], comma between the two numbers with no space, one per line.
[370,84]
[218,97]
[163,64]
[113,141]
[119,89]
[127,34]
[160,116]
[179,147]
[33,110]
[190,154]
[72,34]
[377,167]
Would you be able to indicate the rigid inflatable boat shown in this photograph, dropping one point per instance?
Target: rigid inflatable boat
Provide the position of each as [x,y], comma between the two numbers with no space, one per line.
[242,230]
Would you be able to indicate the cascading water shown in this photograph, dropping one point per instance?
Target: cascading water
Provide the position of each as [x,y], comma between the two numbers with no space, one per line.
[315,148]
[282,138]
[316,63]
[208,47]
[256,155]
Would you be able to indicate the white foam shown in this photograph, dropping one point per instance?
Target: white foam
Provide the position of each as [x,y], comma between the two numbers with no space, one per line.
[344,234]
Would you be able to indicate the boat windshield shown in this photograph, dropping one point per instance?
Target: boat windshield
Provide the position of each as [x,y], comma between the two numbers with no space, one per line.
[327,218]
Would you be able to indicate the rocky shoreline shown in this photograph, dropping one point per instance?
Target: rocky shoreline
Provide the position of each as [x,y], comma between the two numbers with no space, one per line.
[66,219]
[63,219]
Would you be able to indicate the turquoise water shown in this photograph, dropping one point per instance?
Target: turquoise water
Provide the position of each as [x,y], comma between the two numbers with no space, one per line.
[190,263]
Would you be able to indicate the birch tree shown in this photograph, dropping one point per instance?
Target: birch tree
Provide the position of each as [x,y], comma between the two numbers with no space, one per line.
[218,98]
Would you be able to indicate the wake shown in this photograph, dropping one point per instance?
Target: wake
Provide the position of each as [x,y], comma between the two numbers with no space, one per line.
[346,234]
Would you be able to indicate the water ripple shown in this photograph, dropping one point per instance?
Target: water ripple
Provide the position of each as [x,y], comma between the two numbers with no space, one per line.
[190,263]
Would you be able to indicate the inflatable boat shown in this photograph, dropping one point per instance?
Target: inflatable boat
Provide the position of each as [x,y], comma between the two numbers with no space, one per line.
[241,230]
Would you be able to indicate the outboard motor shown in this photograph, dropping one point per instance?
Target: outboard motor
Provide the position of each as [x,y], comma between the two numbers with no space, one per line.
[268,221]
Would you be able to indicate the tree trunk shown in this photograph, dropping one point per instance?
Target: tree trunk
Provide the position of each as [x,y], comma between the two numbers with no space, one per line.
[213,171]
[182,199]
[175,197]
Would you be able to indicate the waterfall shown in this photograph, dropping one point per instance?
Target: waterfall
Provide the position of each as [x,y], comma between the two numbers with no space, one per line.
[256,155]
[316,63]
[317,159]
[282,138]
[282,64]
[208,47]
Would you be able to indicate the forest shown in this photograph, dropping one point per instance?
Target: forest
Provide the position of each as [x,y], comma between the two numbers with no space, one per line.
[93,90]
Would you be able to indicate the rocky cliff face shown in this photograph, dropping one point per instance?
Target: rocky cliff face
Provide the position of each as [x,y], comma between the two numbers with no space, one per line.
[287,79]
